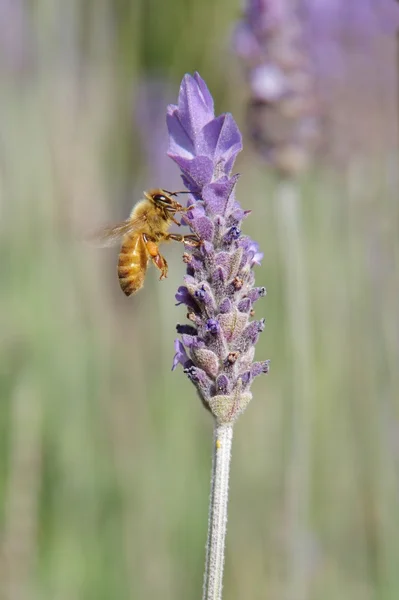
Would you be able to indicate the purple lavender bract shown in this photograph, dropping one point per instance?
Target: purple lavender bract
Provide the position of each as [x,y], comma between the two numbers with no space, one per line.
[217,349]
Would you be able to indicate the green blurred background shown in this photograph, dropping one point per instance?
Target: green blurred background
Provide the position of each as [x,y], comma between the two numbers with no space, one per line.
[105,454]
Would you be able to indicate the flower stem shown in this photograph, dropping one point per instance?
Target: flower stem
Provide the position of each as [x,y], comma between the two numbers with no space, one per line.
[213,577]
[293,250]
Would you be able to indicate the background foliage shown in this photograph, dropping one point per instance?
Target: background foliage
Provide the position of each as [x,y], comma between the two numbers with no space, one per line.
[104,453]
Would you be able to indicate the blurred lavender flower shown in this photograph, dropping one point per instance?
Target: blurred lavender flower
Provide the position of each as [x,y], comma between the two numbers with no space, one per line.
[16,36]
[217,348]
[354,49]
[282,110]
[356,19]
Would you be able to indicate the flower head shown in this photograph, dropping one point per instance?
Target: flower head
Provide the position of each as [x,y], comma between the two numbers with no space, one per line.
[217,349]
[282,111]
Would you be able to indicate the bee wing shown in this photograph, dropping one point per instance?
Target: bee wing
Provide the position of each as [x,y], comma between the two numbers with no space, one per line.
[111,236]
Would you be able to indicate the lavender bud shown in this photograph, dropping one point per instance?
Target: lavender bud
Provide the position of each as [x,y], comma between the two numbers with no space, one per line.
[200,294]
[251,333]
[258,368]
[180,355]
[218,288]
[256,293]
[222,384]
[212,326]
[184,297]
[201,381]
[245,305]
[225,306]
[232,234]
[246,378]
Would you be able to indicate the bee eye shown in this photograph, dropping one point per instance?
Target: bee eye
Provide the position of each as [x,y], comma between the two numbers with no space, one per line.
[162,199]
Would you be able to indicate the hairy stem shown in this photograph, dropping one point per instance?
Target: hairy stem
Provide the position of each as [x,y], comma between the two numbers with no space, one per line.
[213,577]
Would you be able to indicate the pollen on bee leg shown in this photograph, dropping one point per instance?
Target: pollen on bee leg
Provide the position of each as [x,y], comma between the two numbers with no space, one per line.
[218,444]
[156,257]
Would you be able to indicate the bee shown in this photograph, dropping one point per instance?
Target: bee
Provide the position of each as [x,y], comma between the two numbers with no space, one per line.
[147,227]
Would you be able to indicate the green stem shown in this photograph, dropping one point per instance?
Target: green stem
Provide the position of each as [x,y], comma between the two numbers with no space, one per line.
[288,207]
[213,577]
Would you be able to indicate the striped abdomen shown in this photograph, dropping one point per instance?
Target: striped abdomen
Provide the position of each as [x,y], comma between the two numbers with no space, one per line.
[132,264]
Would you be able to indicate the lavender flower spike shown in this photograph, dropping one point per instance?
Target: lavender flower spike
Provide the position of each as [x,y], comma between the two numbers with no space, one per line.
[283,111]
[217,349]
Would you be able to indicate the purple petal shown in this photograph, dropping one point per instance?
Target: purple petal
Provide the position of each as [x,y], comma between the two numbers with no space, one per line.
[192,341]
[193,112]
[223,259]
[207,249]
[195,103]
[246,378]
[225,306]
[204,294]
[200,380]
[257,368]
[229,143]
[251,333]
[180,143]
[237,216]
[204,228]
[207,97]
[256,260]
[196,212]
[180,356]
[197,171]
[217,195]
[245,305]
[221,140]
[231,235]
[252,250]
[223,384]
[183,297]
[212,326]
[219,276]
[256,293]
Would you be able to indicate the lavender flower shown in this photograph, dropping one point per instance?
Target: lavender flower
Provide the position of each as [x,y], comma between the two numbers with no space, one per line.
[282,110]
[217,348]
[17,47]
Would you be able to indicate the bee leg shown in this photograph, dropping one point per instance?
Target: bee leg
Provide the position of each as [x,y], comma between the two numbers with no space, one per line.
[157,258]
[174,220]
[190,240]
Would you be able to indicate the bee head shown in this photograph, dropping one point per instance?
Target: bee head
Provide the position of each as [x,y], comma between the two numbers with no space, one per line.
[163,200]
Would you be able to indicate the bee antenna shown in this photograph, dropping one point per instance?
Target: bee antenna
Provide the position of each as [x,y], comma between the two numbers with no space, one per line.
[177,193]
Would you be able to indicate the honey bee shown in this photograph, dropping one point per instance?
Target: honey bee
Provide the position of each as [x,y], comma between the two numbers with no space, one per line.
[141,234]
